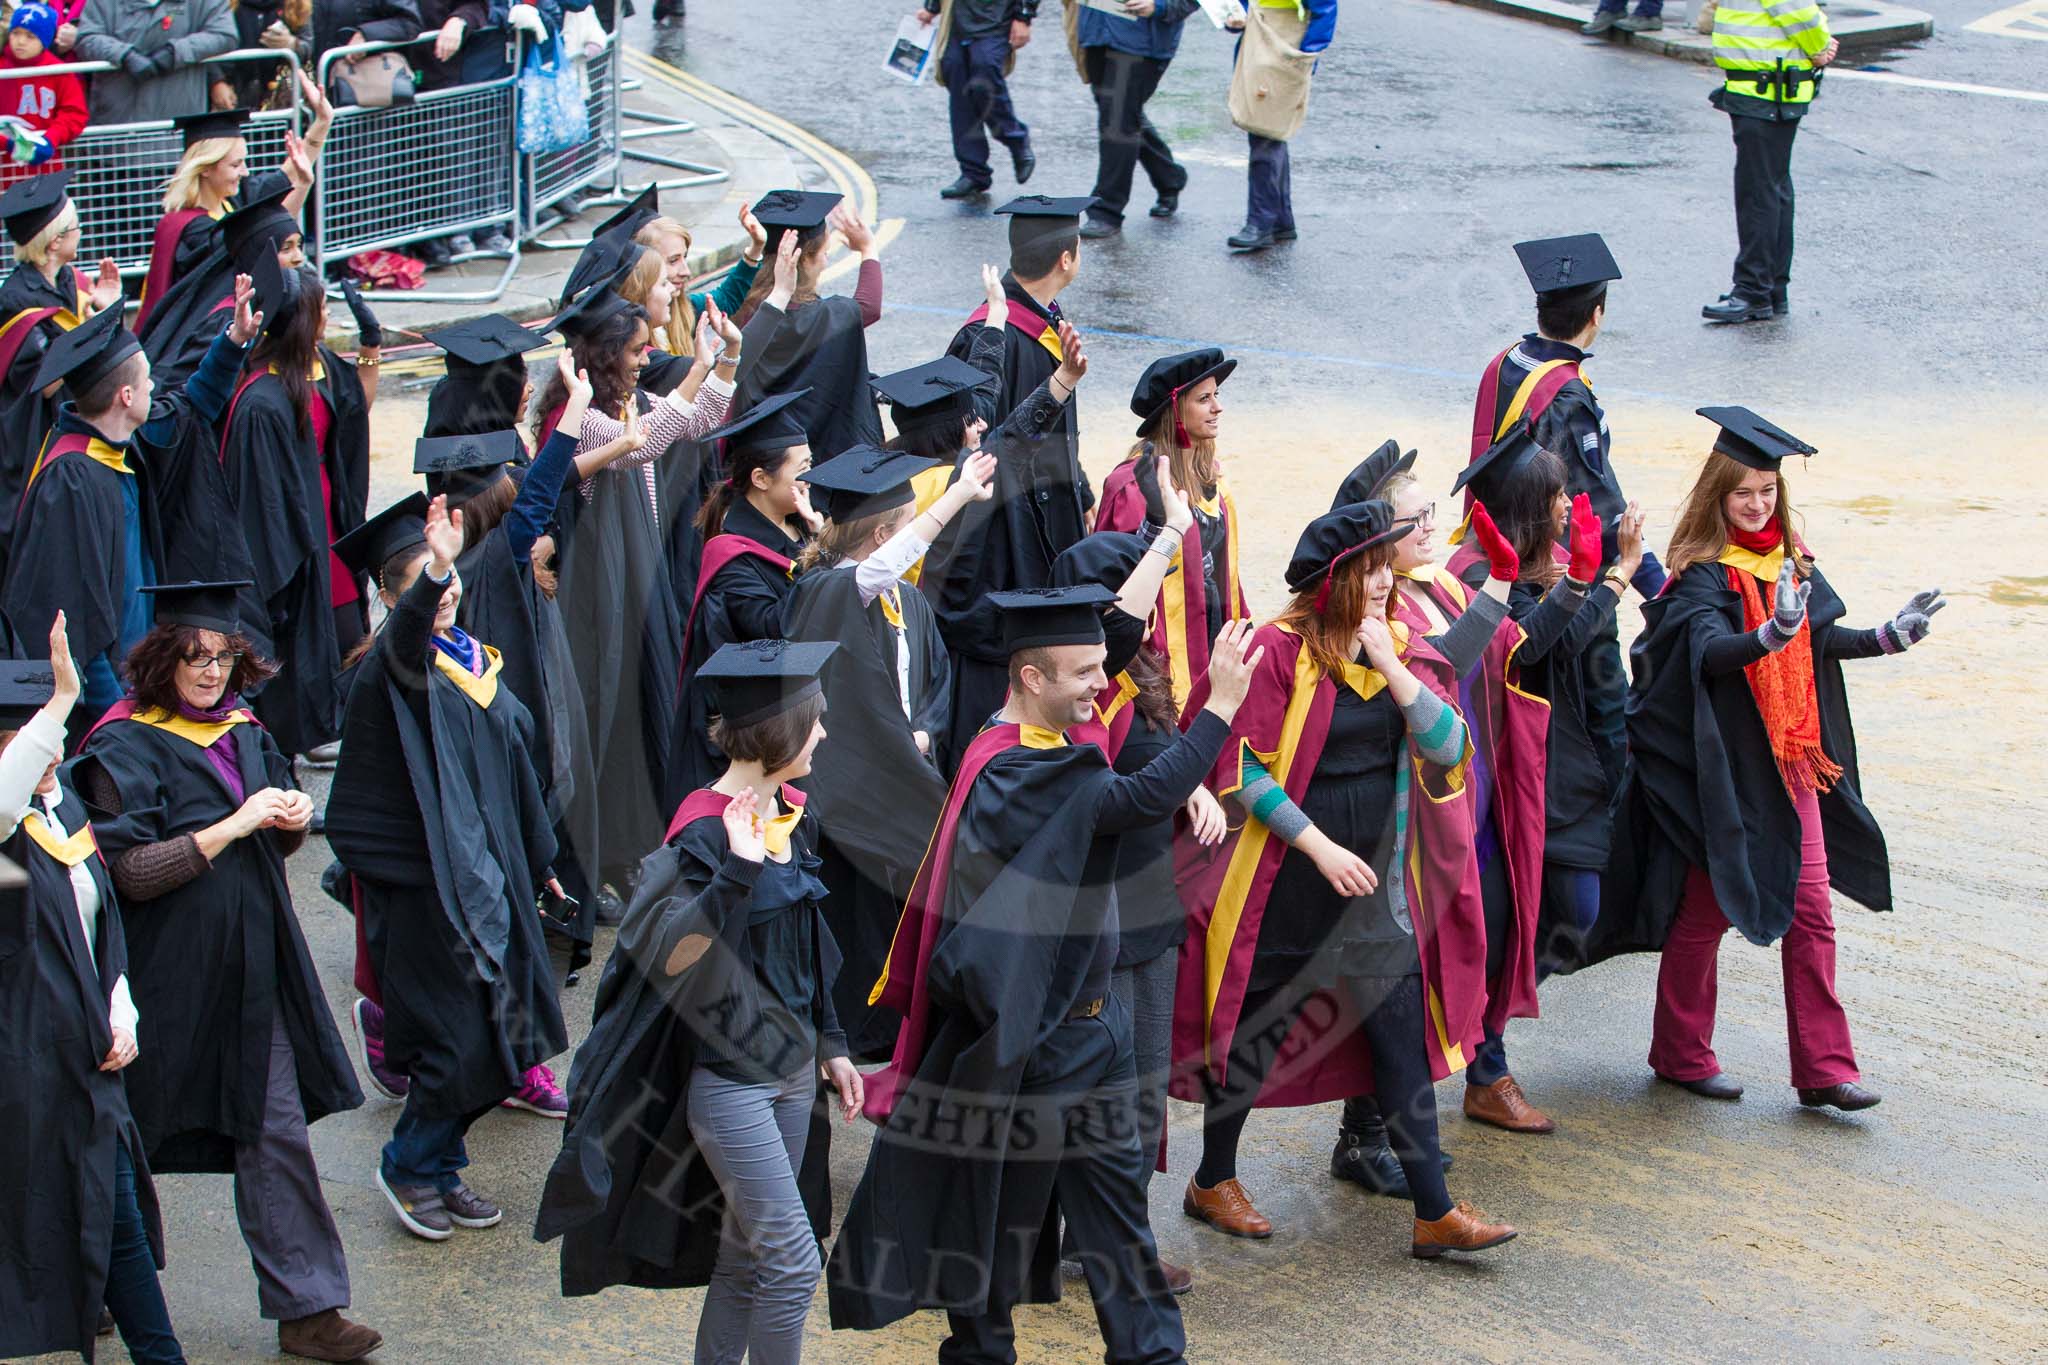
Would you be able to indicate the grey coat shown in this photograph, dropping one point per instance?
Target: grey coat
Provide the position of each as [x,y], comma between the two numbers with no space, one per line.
[109,29]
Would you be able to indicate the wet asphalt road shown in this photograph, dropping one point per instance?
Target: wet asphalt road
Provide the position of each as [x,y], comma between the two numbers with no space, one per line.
[1652,1223]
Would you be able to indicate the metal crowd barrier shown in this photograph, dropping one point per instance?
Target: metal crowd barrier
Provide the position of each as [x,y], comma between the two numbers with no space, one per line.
[118,170]
[440,165]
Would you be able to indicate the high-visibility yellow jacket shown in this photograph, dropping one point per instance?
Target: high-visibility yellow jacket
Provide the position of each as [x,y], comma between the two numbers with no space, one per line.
[1765,50]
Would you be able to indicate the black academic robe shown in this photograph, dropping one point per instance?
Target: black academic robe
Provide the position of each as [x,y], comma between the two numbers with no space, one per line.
[1705,790]
[746,599]
[437,778]
[1005,544]
[625,635]
[629,1193]
[192,312]
[61,1117]
[71,541]
[25,415]
[215,961]
[273,476]
[940,1217]
[876,798]
[1030,356]
[821,346]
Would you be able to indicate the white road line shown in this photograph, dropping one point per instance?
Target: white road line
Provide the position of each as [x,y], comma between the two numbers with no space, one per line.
[1957,87]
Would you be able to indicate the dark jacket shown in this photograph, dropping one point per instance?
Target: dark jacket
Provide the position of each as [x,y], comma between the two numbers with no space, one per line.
[379,21]
[1157,37]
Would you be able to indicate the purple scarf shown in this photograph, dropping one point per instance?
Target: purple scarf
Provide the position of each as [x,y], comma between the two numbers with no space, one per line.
[220,753]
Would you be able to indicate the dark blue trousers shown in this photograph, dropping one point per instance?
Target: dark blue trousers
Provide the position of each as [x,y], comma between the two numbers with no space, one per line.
[134,1296]
[978,99]
[1269,181]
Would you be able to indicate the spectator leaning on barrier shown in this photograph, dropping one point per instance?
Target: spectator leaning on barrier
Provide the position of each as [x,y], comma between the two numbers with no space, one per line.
[1125,59]
[161,51]
[53,107]
[281,25]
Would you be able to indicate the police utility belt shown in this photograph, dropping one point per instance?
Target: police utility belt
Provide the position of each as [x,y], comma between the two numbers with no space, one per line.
[1790,79]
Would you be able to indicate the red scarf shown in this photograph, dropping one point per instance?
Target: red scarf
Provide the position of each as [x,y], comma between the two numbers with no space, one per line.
[1783,683]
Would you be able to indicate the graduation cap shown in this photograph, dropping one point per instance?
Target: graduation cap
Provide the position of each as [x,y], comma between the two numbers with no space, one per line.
[1365,482]
[1748,439]
[932,394]
[33,204]
[486,360]
[398,527]
[1167,378]
[1336,536]
[197,128]
[464,465]
[1567,266]
[1516,447]
[591,310]
[755,680]
[1104,558]
[278,291]
[204,606]
[88,353]
[768,425]
[254,229]
[1034,618]
[643,209]
[607,260]
[864,480]
[1034,217]
[781,211]
[25,685]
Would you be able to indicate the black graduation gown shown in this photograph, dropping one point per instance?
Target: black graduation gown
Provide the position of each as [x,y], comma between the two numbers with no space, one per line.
[1026,364]
[1705,790]
[273,476]
[432,779]
[70,544]
[939,1221]
[628,1193]
[213,962]
[192,311]
[1006,543]
[876,798]
[1577,798]
[61,1117]
[821,346]
[625,635]
[747,599]
[25,415]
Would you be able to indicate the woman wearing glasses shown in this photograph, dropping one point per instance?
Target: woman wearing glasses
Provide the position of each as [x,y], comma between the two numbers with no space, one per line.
[195,813]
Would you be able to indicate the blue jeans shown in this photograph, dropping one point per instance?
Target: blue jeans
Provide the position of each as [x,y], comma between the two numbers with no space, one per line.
[1269,183]
[1645,9]
[426,1150]
[134,1296]
[978,97]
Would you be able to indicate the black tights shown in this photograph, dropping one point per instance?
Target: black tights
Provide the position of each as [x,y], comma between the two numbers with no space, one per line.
[1394,1021]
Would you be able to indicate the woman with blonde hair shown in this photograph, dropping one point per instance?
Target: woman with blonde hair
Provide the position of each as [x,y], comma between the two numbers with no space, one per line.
[670,241]
[1746,803]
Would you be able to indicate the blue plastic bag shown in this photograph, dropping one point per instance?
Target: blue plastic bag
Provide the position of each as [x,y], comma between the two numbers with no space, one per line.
[552,113]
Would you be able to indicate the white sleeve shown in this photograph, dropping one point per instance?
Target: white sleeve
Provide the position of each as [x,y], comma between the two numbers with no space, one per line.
[885,568]
[121,1008]
[23,763]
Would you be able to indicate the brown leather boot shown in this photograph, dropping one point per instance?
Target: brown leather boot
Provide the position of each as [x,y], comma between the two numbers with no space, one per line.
[1227,1208]
[1503,1105]
[1464,1228]
[326,1336]
[1179,1279]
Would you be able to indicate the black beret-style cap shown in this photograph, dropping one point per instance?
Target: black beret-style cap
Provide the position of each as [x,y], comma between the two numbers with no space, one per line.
[1035,618]
[1337,535]
[756,680]
[1748,439]
[1364,483]
[1170,374]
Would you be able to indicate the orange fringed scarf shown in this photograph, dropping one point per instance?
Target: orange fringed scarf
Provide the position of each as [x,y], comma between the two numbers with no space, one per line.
[1783,686]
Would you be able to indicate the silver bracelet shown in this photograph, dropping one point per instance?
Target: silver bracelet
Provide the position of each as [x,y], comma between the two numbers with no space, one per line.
[1159,544]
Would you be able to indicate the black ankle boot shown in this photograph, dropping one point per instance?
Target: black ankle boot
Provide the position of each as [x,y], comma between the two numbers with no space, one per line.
[1363,1156]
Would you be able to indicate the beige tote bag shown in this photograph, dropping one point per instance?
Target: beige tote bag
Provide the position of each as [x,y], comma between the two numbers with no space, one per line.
[1269,88]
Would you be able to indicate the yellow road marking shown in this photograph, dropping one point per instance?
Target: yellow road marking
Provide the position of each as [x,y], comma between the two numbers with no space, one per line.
[2026,20]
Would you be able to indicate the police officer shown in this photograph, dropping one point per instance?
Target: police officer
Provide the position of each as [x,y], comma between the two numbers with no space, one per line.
[1770,53]
[977,44]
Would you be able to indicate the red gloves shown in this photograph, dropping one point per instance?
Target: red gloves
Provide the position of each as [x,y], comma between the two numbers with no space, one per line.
[1501,560]
[1583,538]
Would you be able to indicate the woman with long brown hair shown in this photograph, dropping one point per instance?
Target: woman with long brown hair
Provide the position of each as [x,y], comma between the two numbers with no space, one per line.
[1747,804]
[1340,926]
[1180,406]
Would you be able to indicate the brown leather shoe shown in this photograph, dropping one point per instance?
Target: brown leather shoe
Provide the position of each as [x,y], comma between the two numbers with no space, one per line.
[1227,1208]
[1464,1228]
[1179,1279]
[1503,1105]
[326,1336]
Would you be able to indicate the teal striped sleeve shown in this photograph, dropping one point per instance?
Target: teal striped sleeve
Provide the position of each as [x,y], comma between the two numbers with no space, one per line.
[1438,730]
[1266,801]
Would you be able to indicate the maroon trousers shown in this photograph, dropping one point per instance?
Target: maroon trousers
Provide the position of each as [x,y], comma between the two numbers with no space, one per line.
[1682,1043]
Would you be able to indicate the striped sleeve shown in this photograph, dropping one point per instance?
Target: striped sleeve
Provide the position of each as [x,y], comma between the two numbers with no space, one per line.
[1266,801]
[1438,730]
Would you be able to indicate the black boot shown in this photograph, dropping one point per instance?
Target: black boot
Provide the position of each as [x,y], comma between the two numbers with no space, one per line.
[1363,1156]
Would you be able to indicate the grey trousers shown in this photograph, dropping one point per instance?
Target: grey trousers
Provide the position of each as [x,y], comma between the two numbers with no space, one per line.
[293,1244]
[752,1137]
[1145,990]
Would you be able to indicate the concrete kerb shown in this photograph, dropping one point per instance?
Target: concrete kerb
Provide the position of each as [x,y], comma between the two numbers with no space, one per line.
[1862,26]
[759,150]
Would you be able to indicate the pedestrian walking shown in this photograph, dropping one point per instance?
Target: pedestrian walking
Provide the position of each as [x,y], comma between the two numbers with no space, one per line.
[1124,57]
[1269,87]
[978,42]
[1771,53]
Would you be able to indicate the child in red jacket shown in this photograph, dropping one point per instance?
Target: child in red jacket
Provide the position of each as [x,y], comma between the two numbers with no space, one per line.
[51,109]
